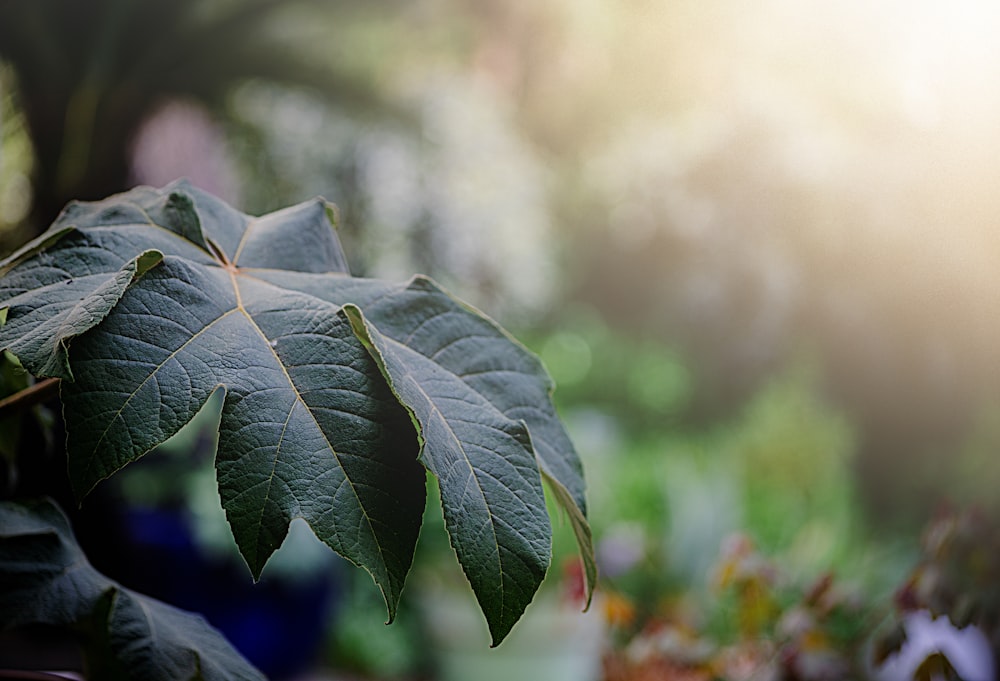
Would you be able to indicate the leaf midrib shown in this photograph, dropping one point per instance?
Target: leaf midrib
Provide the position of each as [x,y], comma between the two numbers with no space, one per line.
[233,273]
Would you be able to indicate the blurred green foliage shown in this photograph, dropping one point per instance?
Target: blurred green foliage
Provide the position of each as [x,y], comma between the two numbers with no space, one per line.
[359,641]
[788,453]
[668,491]
[16,161]
[795,451]
[641,382]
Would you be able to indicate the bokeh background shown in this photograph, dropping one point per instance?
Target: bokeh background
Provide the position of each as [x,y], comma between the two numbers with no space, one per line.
[756,244]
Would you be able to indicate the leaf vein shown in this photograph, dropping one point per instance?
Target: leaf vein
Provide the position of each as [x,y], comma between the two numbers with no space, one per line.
[131,395]
[323,434]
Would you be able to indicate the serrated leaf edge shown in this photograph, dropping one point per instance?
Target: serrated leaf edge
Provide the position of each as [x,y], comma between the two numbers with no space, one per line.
[577,515]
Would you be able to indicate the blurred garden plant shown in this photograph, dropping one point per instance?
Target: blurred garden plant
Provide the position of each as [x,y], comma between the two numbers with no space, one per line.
[337,394]
[957,581]
[760,625]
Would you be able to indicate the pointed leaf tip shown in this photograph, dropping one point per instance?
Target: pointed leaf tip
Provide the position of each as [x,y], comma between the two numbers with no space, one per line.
[47,308]
[484,462]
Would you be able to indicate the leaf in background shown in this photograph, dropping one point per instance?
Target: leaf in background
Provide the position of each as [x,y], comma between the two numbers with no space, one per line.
[47,580]
[331,384]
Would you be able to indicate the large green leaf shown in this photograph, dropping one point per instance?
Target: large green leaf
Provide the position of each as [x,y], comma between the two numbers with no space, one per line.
[336,388]
[47,580]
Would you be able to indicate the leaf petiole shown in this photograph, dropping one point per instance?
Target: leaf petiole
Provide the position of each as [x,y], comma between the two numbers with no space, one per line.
[33,395]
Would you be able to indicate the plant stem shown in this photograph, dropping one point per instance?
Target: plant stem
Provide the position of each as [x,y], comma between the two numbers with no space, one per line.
[30,396]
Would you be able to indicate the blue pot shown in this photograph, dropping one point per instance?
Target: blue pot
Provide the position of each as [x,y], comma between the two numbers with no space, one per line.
[279,624]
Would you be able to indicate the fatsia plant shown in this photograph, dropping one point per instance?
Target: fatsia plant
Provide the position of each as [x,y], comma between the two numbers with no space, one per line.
[338,391]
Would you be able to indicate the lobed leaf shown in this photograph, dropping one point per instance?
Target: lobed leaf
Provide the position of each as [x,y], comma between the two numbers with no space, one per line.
[336,388]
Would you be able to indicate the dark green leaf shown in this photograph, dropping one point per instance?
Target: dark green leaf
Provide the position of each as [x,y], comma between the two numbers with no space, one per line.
[47,580]
[331,384]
